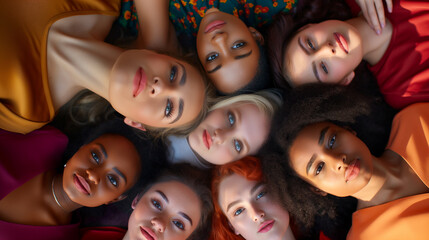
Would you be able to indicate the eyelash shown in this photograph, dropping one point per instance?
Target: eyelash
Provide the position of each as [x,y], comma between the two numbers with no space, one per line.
[331,141]
[310,44]
[95,157]
[169,108]
[259,196]
[238,146]
[173,74]
[157,204]
[319,167]
[239,45]
[324,68]
[212,57]
[113,180]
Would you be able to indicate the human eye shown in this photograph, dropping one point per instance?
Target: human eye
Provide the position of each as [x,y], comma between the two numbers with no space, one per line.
[113,180]
[324,68]
[231,118]
[237,145]
[238,211]
[95,157]
[239,45]
[156,204]
[212,56]
[169,109]
[310,44]
[331,142]
[179,224]
[261,194]
[319,167]
[173,73]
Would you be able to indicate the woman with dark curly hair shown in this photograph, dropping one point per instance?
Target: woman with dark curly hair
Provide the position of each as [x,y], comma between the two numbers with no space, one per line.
[323,157]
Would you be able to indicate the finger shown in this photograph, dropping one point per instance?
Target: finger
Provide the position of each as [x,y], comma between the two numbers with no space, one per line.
[380,12]
[374,18]
[364,11]
[389,5]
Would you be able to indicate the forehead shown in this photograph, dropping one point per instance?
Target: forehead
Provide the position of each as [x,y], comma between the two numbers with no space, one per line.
[254,125]
[232,188]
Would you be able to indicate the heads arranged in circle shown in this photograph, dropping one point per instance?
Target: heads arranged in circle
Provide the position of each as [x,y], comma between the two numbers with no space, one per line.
[244,207]
[176,206]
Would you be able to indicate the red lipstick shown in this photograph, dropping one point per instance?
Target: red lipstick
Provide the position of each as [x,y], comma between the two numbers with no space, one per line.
[81,184]
[207,139]
[342,42]
[147,233]
[352,170]
[139,82]
[216,24]
[266,226]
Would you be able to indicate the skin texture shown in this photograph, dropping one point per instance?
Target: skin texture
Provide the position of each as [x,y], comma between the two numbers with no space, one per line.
[333,153]
[373,11]
[250,205]
[165,218]
[100,170]
[227,48]
[316,45]
[163,86]
[235,131]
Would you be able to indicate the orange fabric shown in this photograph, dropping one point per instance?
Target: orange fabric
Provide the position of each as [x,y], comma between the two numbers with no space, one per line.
[405,218]
[25,101]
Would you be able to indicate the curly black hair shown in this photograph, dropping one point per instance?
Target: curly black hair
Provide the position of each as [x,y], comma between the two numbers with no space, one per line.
[367,114]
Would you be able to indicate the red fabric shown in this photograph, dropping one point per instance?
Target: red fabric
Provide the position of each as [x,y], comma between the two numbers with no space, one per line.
[403,71]
[323,237]
[102,233]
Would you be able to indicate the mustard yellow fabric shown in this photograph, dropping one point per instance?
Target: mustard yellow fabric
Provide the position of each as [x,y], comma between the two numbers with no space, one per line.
[25,101]
[405,218]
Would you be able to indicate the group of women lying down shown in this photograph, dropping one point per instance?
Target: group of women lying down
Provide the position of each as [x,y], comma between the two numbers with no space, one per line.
[288,120]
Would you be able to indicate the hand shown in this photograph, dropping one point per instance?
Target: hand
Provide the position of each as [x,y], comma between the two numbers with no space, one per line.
[373,11]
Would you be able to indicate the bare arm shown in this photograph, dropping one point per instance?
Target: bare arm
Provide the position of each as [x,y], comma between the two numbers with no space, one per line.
[155,30]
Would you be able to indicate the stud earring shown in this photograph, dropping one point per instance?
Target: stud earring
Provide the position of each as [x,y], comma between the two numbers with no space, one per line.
[65,165]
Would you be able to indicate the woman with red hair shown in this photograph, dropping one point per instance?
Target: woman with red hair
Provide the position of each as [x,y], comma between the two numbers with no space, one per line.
[243,207]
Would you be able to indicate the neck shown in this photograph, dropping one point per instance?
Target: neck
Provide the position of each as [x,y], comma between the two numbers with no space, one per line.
[373,46]
[60,199]
[289,234]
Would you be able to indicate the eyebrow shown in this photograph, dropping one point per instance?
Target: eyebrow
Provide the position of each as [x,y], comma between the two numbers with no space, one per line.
[184,215]
[243,55]
[103,150]
[214,69]
[183,78]
[180,112]
[320,142]
[120,174]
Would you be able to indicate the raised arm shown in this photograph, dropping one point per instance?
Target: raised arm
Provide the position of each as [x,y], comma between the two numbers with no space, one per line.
[155,31]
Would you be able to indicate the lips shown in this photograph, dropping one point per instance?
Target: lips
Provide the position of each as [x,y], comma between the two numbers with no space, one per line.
[266,226]
[216,24]
[342,42]
[352,170]
[207,139]
[139,82]
[81,184]
[147,233]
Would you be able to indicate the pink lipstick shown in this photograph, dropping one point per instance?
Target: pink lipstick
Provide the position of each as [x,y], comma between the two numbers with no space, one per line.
[207,139]
[266,226]
[352,170]
[147,233]
[216,24]
[342,42]
[81,184]
[139,82]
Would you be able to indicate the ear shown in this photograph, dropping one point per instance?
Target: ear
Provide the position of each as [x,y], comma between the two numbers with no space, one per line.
[319,192]
[135,201]
[122,197]
[257,35]
[348,79]
[133,124]
[233,229]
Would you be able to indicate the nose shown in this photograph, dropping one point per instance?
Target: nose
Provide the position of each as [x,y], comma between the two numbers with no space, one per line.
[327,48]
[338,162]
[158,224]
[93,176]
[220,40]
[258,214]
[220,135]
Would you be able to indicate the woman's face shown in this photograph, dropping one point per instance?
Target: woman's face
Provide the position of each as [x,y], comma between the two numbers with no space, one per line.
[156,90]
[168,210]
[251,210]
[325,52]
[332,159]
[227,50]
[101,171]
[230,133]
